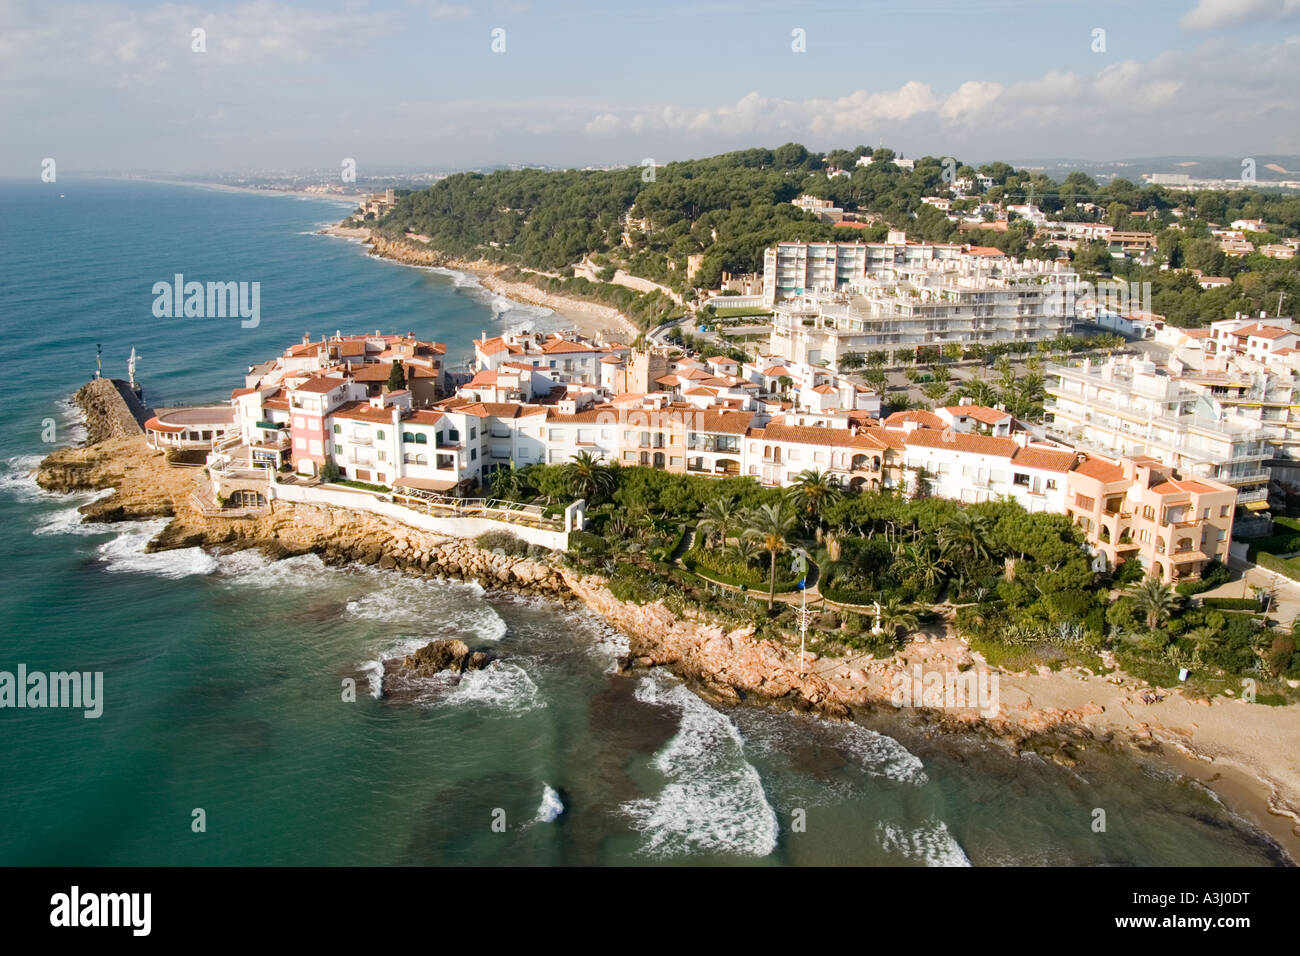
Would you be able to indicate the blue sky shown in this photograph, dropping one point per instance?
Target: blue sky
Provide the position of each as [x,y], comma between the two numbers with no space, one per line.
[415,84]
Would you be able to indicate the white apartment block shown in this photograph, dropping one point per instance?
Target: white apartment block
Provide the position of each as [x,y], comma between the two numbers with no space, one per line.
[1130,408]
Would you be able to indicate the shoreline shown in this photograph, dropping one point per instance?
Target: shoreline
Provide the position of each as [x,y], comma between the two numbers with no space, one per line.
[1061,716]
[353,198]
[589,318]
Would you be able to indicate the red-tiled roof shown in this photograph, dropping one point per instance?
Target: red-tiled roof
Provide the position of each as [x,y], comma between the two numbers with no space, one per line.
[981,413]
[1100,469]
[957,441]
[1045,459]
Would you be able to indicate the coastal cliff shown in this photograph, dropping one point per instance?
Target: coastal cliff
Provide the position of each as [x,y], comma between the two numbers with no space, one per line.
[1058,715]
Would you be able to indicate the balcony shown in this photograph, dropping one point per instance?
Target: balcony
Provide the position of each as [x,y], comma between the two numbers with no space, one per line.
[360,439]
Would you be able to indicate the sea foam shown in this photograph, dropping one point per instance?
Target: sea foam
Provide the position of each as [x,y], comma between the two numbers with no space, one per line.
[713,801]
[930,843]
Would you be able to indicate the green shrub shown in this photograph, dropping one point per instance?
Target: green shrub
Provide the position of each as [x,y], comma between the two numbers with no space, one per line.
[364,485]
[586,541]
[1231,604]
[502,541]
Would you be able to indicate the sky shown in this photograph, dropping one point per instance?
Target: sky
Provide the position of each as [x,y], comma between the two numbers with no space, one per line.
[426,85]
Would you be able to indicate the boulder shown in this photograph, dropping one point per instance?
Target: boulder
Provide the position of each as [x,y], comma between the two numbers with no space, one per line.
[442,655]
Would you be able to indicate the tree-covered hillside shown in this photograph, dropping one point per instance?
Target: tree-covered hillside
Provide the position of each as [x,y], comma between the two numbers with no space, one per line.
[727,209]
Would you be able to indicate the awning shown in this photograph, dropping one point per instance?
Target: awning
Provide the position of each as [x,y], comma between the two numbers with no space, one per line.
[269,426]
[1256,505]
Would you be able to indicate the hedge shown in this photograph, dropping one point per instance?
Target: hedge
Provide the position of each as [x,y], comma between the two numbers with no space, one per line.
[1287,567]
[754,581]
[1231,604]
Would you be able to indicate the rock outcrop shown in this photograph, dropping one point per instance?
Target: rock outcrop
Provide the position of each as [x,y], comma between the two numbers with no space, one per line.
[444,655]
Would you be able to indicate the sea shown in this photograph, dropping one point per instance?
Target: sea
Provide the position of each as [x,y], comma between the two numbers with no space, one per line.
[228,732]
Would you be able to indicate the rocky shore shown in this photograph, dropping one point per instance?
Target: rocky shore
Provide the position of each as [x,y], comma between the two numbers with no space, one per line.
[1058,715]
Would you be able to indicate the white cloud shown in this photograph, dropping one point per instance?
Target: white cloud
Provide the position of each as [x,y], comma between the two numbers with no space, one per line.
[1212,14]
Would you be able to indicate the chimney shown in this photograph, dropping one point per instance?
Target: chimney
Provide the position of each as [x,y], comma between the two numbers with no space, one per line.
[306,338]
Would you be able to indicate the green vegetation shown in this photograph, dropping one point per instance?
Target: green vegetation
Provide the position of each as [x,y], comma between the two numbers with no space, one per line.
[502,541]
[1019,586]
[729,313]
[396,377]
[363,485]
[727,209]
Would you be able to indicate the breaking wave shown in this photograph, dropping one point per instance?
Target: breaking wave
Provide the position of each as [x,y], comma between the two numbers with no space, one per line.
[713,801]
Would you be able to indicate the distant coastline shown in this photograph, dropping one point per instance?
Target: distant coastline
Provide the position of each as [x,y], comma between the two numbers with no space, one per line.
[589,318]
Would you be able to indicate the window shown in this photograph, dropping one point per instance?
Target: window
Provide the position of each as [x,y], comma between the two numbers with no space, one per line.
[315,446]
[380,434]
[473,433]
[1148,512]
[1020,479]
[453,435]
[408,436]
[1223,511]
[421,438]
[473,454]
[1084,502]
[1051,484]
[676,462]
[338,429]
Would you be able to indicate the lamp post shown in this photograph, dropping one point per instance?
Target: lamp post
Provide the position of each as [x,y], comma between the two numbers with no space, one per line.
[800,567]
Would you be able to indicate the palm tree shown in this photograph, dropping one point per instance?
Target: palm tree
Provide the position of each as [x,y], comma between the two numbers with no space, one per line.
[657,526]
[588,475]
[508,482]
[768,525]
[743,551]
[967,536]
[717,519]
[894,617]
[1154,600]
[980,393]
[812,491]
[916,561]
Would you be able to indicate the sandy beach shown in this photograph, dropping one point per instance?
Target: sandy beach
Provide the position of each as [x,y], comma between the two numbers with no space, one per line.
[589,318]
[1246,753]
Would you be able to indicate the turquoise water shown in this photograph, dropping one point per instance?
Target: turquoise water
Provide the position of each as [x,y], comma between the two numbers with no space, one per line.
[224,674]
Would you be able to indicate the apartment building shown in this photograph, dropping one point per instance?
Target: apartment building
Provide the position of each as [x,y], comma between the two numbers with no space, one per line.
[973,468]
[1135,508]
[1127,407]
[572,360]
[936,306]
